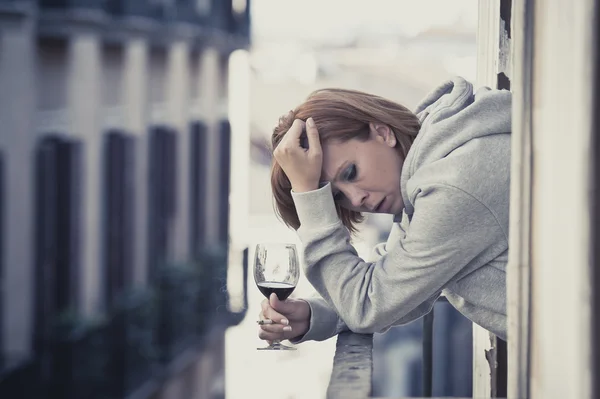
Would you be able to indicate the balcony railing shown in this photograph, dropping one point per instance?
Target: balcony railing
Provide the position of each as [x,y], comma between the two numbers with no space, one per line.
[352,373]
[352,367]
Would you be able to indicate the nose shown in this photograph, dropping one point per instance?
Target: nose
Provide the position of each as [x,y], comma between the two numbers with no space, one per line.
[356,196]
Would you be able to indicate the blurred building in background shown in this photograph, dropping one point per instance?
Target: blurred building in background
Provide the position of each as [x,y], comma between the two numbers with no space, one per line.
[114,185]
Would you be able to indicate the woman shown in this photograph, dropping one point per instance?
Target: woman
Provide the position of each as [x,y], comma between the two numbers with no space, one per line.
[443,172]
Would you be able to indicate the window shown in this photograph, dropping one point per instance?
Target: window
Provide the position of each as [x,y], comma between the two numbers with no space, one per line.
[162,191]
[57,207]
[119,175]
[198,192]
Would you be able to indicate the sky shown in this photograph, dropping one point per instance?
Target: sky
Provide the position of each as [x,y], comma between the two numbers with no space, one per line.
[331,20]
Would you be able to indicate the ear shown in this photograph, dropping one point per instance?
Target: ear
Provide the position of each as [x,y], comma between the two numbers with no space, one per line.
[382,133]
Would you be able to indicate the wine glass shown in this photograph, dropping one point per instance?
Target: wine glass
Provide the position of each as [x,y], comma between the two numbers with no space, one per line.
[276,270]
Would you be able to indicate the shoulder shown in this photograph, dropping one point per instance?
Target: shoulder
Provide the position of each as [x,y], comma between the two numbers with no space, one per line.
[480,169]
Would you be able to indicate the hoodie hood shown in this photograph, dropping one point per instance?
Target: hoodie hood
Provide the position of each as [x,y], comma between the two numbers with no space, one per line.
[450,116]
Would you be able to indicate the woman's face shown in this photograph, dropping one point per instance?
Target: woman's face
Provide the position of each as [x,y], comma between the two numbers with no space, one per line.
[365,175]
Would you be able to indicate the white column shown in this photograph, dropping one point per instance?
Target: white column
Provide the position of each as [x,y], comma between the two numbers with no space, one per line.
[491,42]
[84,104]
[564,102]
[135,99]
[487,60]
[239,116]
[518,281]
[17,109]
[209,81]
[178,100]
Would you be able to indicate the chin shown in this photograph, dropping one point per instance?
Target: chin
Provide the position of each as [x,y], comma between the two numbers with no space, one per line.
[397,208]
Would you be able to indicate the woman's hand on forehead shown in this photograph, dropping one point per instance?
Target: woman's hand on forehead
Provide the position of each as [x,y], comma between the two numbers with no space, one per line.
[301,159]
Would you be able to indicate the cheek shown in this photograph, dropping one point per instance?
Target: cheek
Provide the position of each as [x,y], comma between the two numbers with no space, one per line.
[381,168]
[386,173]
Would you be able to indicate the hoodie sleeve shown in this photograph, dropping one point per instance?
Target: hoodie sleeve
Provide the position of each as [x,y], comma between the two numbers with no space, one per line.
[324,322]
[396,234]
[449,230]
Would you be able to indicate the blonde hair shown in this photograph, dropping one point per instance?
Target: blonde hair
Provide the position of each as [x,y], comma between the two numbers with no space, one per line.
[340,115]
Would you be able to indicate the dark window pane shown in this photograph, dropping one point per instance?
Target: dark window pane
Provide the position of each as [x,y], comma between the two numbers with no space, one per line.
[198,192]
[119,214]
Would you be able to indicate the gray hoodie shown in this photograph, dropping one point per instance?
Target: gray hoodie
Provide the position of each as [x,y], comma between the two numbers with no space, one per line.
[451,239]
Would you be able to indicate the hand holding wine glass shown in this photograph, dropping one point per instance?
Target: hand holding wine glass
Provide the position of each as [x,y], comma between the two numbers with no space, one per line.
[276,273]
[295,314]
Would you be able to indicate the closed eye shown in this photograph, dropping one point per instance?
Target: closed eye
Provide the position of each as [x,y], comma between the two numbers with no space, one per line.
[349,173]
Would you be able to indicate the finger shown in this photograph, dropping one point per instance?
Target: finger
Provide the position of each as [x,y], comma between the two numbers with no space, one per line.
[262,319]
[295,131]
[277,317]
[264,305]
[268,336]
[312,133]
[271,336]
[292,136]
[283,307]
[276,328]
[291,141]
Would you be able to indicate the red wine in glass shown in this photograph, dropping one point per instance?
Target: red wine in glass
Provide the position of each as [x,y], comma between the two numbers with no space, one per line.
[282,290]
[276,270]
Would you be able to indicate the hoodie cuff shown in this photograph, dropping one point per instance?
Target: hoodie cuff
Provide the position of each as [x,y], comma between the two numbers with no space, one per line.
[316,208]
[324,322]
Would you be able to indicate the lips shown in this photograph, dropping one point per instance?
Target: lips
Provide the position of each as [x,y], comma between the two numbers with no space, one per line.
[379,206]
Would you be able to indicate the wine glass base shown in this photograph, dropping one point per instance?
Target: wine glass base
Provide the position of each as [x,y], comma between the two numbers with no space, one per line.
[277,347]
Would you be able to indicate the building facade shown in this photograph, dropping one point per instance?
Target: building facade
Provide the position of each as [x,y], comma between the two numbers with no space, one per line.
[114,185]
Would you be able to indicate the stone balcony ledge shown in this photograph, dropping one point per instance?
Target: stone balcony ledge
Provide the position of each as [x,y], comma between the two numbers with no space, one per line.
[352,367]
